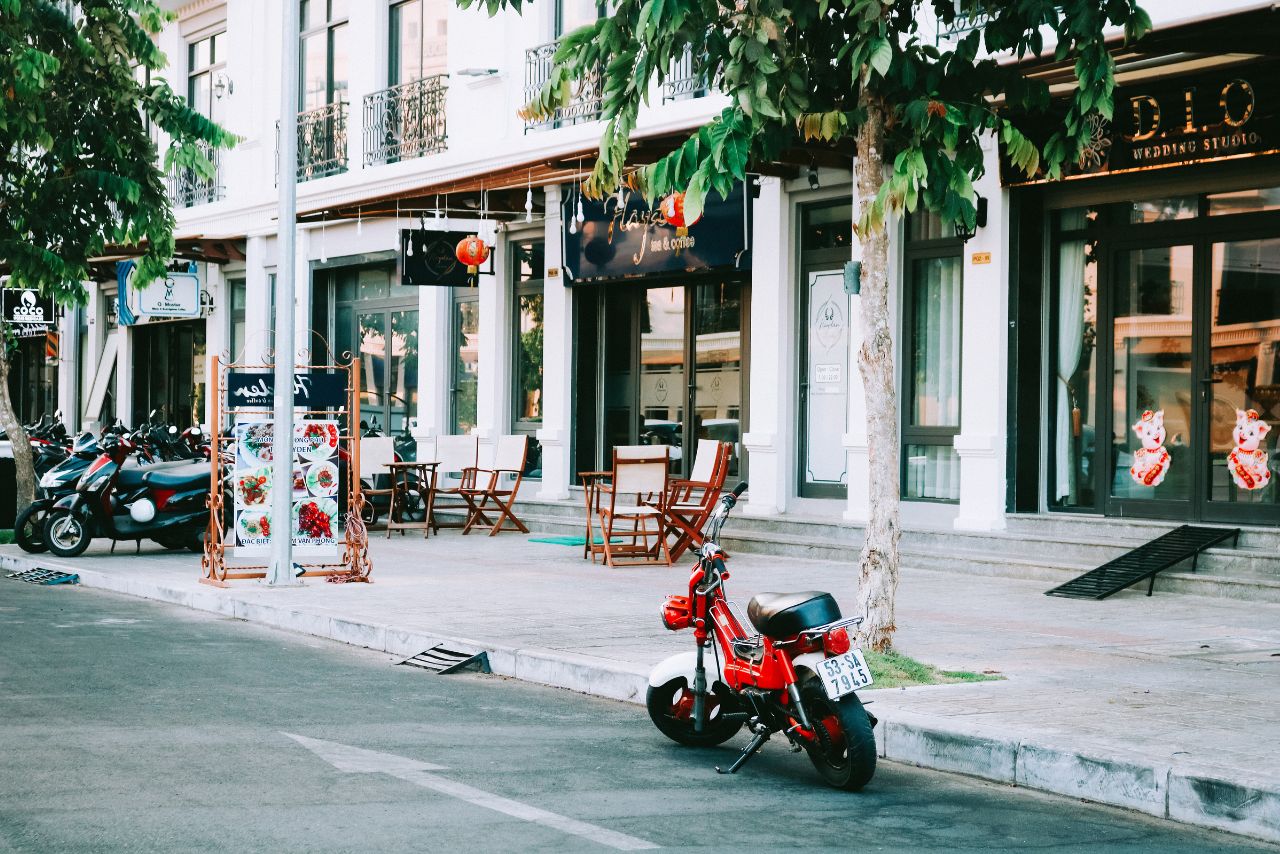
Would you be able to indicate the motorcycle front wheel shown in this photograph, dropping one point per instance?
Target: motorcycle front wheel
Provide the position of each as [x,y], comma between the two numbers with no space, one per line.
[28,529]
[845,751]
[66,534]
[671,710]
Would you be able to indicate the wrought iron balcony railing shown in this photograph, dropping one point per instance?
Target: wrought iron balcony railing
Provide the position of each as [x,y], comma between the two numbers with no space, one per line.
[322,141]
[187,188]
[688,79]
[585,100]
[405,121]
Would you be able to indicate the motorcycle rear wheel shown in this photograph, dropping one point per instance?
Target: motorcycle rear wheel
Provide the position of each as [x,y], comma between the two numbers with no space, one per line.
[671,710]
[845,754]
[28,529]
[66,534]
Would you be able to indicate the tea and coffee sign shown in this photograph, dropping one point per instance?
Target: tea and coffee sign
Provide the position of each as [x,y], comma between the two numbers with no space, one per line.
[621,236]
[1180,120]
[312,390]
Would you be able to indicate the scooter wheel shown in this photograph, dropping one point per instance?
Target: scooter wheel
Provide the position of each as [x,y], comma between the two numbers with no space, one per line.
[28,529]
[66,534]
[845,752]
[671,710]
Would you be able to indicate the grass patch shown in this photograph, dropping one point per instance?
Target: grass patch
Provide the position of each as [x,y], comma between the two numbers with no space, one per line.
[6,536]
[895,670]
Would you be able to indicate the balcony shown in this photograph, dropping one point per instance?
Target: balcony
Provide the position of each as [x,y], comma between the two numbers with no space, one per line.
[188,188]
[686,80]
[322,142]
[405,121]
[584,101]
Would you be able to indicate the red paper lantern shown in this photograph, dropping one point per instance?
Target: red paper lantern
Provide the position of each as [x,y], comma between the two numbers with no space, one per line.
[672,208]
[473,252]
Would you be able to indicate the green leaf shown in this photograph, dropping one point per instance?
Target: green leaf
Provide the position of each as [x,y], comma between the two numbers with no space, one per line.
[881,56]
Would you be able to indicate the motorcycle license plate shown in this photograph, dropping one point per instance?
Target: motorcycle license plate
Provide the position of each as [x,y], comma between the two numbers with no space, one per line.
[844,674]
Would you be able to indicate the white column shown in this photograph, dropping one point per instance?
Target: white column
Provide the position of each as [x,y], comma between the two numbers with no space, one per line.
[366,39]
[68,367]
[257,310]
[557,362]
[495,350]
[769,441]
[302,293]
[984,378]
[124,376]
[434,353]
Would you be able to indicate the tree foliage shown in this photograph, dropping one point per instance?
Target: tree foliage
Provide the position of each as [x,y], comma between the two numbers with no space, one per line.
[796,72]
[81,169]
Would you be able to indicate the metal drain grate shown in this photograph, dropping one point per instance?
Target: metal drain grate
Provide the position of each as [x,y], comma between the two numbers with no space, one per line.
[442,659]
[45,576]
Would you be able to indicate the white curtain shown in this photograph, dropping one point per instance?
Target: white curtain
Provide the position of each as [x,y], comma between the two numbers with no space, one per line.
[1070,343]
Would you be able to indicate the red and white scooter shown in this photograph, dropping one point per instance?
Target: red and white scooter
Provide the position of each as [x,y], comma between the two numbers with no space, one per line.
[797,673]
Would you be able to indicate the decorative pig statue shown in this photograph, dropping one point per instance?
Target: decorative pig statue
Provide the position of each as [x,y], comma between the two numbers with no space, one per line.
[1247,461]
[1151,461]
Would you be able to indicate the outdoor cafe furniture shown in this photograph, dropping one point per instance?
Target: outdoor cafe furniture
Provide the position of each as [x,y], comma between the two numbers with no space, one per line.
[407,479]
[591,480]
[690,502]
[489,492]
[456,458]
[376,454]
[631,506]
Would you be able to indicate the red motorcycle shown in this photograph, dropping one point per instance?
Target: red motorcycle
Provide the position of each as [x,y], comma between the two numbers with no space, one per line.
[796,674]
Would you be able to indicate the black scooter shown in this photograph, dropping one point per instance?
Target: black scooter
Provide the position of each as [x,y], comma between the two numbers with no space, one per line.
[58,482]
[166,502]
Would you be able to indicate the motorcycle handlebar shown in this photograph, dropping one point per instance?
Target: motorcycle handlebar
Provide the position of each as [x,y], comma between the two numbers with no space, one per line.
[739,489]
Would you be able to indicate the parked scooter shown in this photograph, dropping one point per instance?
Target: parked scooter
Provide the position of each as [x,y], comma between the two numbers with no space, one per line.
[56,483]
[165,502]
[796,674]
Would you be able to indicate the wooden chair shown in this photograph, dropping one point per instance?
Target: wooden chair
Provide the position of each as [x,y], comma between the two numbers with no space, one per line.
[508,462]
[455,477]
[376,453]
[639,471]
[690,502]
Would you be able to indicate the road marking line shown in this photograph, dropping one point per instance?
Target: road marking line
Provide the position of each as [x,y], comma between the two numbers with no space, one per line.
[356,760]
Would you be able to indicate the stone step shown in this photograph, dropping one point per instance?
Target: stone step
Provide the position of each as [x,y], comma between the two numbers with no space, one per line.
[1090,526]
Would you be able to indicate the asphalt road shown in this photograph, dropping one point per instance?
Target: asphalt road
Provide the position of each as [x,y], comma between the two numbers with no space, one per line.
[131,726]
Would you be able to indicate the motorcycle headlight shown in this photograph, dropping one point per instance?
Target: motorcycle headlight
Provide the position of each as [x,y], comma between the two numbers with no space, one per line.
[49,480]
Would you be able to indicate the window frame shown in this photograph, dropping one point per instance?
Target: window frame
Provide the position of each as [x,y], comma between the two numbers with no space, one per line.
[457,297]
[216,64]
[909,433]
[327,25]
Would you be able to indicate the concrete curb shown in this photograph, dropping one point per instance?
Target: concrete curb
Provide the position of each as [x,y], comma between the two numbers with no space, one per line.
[1250,807]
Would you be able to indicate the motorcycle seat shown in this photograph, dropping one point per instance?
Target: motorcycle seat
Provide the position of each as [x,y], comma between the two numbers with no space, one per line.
[182,476]
[783,615]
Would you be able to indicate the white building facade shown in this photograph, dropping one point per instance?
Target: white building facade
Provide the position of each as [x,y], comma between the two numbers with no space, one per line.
[409,123]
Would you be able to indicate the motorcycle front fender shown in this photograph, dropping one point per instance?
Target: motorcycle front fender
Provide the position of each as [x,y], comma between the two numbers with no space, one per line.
[807,663]
[74,502]
[684,664]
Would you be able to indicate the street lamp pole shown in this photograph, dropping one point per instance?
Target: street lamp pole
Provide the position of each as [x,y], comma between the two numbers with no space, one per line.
[281,569]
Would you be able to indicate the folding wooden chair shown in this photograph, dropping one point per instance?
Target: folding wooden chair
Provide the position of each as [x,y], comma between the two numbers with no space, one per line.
[690,502]
[639,471]
[376,453]
[508,462]
[455,476]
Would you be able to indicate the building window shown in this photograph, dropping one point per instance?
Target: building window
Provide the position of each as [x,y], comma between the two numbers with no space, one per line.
[931,369]
[527,266]
[237,298]
[206,57]
[419,38]
[464,383]
[323,53]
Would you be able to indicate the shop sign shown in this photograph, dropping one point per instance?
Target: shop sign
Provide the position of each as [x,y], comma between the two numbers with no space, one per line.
[429,259]
[1175,121]
[27,314]
[176,295]
[311,390]
[621,237]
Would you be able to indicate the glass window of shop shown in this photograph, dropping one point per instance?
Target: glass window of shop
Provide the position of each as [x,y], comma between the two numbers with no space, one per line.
[323,61]
[931,360]
[169,376]
[464,369]
[419,38]
[205,58]
[528,267]
[237,299]
[375,319]
[1164,356]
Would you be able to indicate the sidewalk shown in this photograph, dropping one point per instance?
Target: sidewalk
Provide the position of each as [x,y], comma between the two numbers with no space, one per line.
[1168,705]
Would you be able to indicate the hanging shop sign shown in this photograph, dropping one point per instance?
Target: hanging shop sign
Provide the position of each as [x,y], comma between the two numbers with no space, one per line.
[311,390]
[429,259]
[620,236]
[176,295]
[1173,121]
[314,486]
[27,314]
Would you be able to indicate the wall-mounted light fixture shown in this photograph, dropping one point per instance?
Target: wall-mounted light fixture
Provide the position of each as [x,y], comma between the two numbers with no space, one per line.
[813,175]
[979,221]
[222,85]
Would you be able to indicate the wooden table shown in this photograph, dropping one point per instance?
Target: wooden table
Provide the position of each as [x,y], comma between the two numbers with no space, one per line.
[591,480]
[407,478]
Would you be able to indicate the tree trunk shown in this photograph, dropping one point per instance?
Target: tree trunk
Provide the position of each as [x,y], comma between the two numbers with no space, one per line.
[878,578]
[24,463]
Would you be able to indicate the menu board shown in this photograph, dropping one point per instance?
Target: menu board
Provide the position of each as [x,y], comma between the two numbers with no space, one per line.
[314,487]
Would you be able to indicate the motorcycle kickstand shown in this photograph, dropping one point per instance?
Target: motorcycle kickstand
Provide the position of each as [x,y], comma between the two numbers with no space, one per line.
[747,752]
